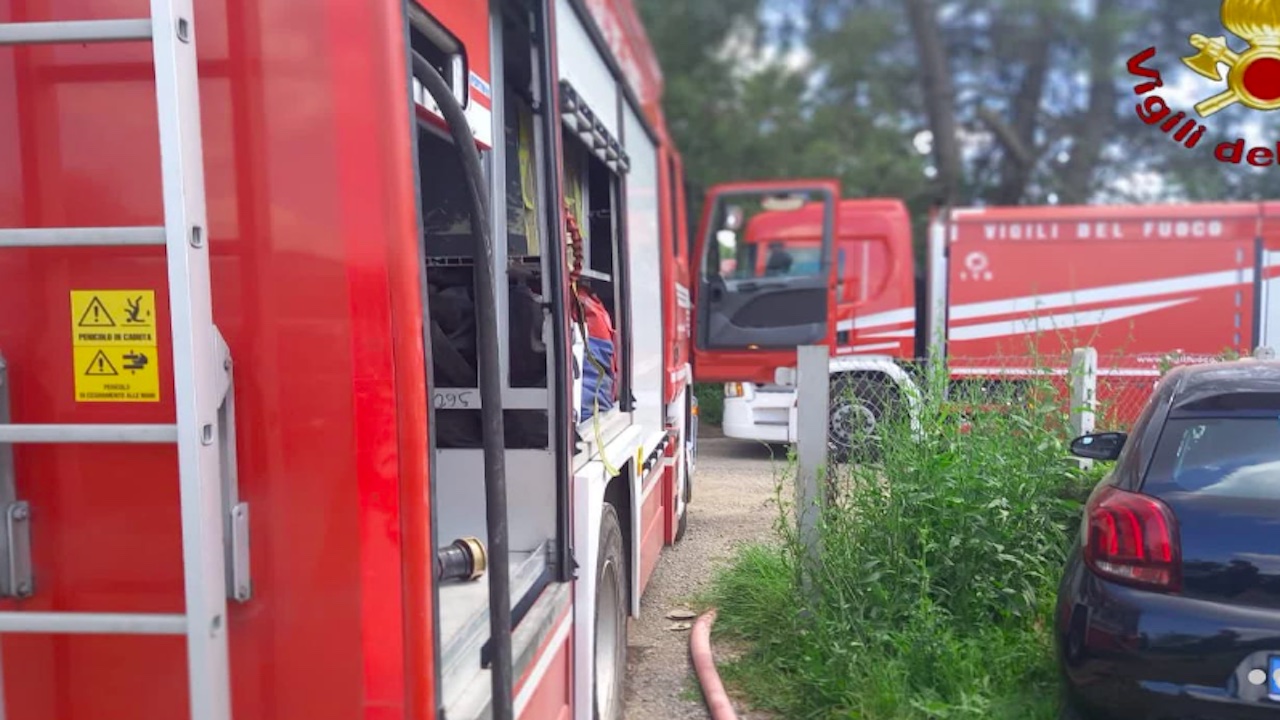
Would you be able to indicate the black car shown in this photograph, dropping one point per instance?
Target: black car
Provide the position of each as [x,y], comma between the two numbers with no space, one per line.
[1169,607]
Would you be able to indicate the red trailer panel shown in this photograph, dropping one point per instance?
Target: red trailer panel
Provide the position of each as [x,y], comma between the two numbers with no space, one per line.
[1127,281]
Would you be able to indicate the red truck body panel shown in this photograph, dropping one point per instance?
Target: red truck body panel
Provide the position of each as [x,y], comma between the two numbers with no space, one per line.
[314,256]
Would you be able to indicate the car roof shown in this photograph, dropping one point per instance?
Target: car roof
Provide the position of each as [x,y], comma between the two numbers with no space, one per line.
[1238,385]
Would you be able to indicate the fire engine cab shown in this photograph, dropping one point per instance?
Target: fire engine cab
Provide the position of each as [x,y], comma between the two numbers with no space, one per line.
[344,357]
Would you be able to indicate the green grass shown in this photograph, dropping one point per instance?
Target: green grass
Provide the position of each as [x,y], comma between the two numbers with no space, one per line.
[939,572]
[710,402]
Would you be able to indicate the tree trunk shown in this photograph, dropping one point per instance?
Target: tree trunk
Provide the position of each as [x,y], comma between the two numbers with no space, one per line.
[1100,117]
[939,97]
[1019,161]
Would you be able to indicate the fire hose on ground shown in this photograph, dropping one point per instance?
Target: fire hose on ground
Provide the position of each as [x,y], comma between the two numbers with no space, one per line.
[704,665]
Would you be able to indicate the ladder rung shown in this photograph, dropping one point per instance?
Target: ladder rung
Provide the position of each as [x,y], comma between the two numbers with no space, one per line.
[79,237]
[91,623]
[97,434]
[74,31]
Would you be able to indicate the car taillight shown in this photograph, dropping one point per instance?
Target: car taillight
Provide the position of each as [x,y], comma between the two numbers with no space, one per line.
[1132,539]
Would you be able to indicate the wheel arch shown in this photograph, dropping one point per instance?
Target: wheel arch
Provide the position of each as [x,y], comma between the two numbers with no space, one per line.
[621,494]
[593,486]
[883,370]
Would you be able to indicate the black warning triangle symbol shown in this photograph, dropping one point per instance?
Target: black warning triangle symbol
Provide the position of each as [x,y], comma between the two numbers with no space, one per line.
[96,315]
[101,365]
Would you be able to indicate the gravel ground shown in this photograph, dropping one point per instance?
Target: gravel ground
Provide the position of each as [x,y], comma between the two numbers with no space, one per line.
[733,502]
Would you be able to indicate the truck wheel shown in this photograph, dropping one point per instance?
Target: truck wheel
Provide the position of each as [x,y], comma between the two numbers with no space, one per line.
[691,447]
[857,408]
[682,523]
[611,619]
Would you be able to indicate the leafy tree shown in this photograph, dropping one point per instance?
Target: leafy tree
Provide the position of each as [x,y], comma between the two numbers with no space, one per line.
[939,101]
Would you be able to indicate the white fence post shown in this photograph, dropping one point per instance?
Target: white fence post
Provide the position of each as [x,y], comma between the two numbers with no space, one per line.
[812,398]
[1084,394]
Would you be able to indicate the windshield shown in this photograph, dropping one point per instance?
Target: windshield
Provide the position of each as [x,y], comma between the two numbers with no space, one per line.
[1237,456]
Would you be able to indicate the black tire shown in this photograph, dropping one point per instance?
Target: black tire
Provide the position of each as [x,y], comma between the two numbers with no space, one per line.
[858,407]
[689,461]
[691,447]
[611,619]
[682,522]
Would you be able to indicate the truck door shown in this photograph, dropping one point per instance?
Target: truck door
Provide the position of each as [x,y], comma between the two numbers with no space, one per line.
[758,288]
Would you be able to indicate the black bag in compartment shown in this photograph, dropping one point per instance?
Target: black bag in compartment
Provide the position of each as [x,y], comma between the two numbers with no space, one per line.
[453,361]
[528,352]
[526,429]
[454,364]
[453,337]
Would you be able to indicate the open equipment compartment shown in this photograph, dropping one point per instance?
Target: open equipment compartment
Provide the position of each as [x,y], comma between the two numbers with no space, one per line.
[514,170]
[594,168]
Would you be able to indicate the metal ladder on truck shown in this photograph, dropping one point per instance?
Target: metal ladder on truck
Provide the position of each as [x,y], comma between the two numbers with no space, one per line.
[214,522]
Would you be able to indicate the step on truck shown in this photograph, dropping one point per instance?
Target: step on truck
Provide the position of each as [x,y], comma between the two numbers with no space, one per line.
[1005,293]
[344,357]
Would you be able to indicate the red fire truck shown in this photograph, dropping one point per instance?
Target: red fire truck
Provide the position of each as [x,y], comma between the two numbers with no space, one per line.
[1008,291]
[438,245]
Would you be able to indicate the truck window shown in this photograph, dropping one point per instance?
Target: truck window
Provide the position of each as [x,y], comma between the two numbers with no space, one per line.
[746,244]
[791,261]
[765,256]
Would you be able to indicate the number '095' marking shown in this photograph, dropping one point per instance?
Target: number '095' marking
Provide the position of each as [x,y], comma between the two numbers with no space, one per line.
[455,399]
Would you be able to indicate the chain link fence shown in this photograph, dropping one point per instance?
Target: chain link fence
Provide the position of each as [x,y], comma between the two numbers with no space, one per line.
[863,403]
[1124,382]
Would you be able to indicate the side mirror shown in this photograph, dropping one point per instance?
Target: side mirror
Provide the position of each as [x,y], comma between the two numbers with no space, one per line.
[1099,446]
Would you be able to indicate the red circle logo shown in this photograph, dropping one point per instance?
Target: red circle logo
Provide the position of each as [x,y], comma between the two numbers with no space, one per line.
[1261,79]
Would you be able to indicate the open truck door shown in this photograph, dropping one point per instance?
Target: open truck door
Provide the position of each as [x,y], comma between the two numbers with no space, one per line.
[758,295]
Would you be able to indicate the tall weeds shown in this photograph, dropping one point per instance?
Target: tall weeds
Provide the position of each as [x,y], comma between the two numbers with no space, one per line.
[938,571]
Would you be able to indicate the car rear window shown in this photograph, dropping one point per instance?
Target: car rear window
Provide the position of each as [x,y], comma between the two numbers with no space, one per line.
[1234,456]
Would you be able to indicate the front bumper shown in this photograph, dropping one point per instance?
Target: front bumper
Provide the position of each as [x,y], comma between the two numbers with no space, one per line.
[762,413]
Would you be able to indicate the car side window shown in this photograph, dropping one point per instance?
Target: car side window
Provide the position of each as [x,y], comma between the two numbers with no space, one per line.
[1128,464]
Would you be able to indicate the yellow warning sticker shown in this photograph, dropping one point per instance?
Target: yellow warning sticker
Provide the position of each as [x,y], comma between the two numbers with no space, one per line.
[115,374]
[113,317]
[113,338]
